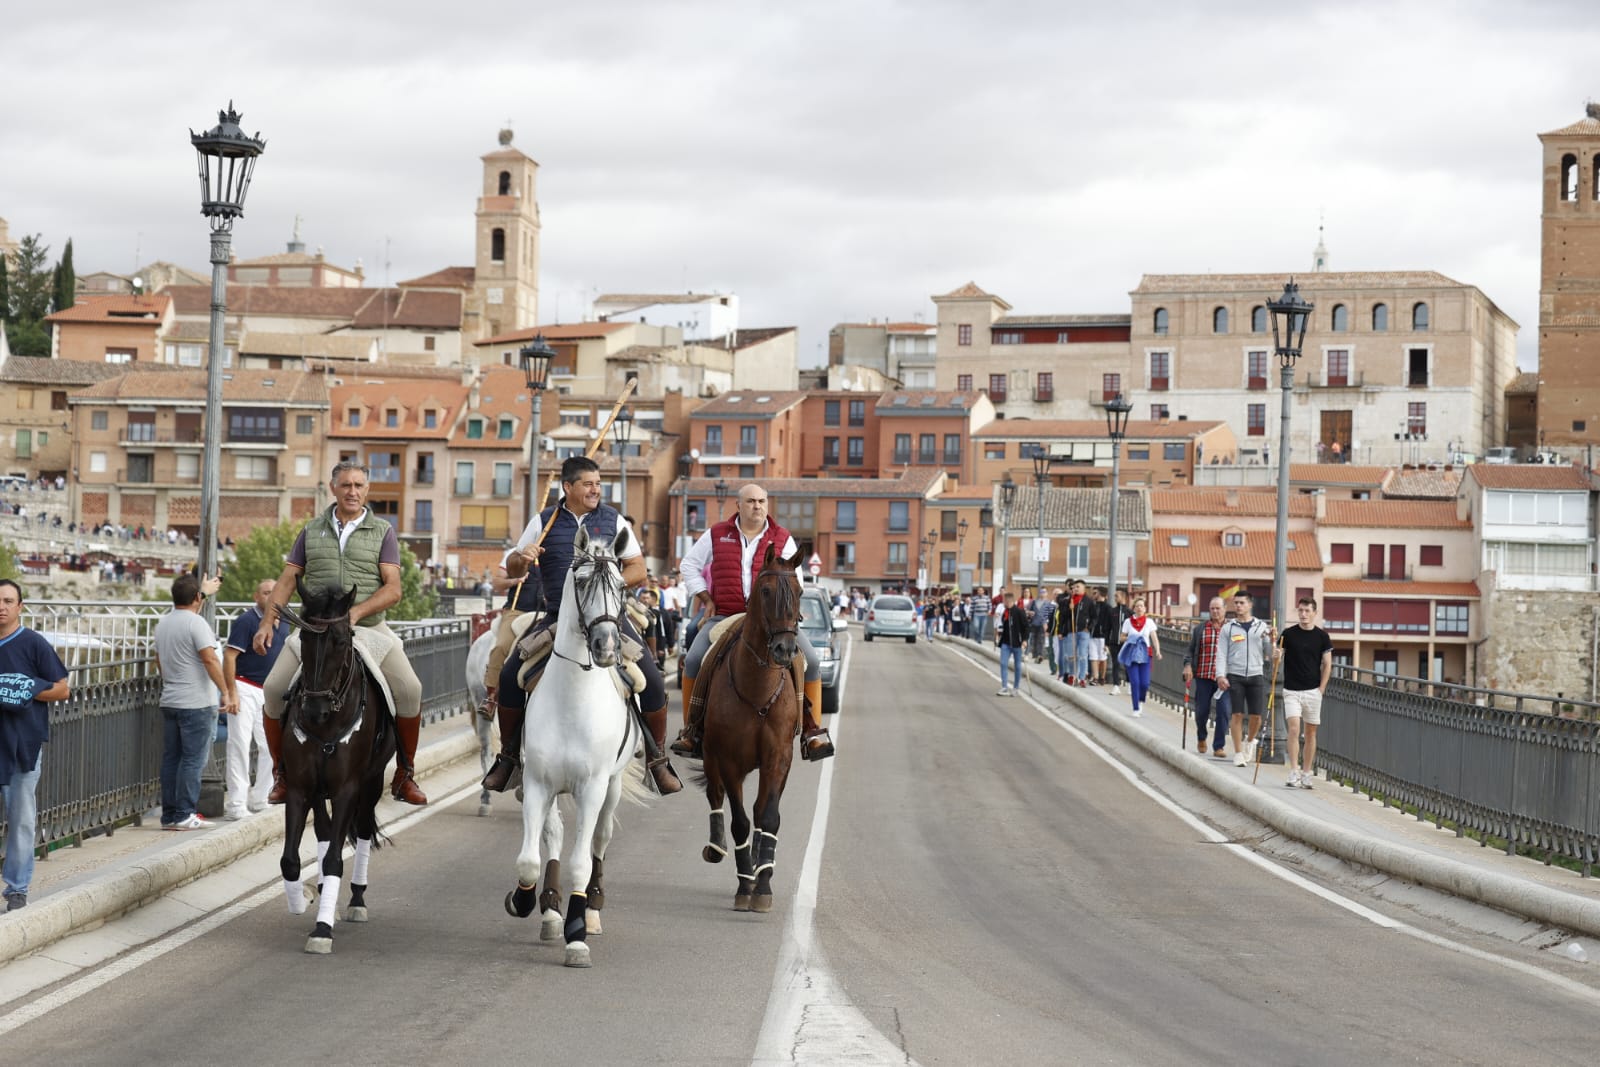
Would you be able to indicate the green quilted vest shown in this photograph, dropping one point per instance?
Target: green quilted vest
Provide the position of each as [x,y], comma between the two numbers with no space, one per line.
[357,565]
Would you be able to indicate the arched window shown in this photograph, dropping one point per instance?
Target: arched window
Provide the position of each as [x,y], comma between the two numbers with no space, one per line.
[505,183]
[1569,177]
[497,245]
[1341,318]
[1160,321]
[1419,316]
[1219,320]
[1380,317]
[1258,319]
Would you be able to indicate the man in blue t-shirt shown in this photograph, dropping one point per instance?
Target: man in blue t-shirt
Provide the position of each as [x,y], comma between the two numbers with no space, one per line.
[31,675]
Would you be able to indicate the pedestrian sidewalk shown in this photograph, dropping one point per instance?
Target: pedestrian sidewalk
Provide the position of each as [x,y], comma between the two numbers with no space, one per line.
[1332,818]
[80,887]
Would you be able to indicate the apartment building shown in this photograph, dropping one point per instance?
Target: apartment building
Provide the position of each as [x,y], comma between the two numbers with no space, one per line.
[905,353]
[758,435]
[114,329]
[138,439]
[34,409]
[1204,541]
[926,428]
[1157,454]
[1074,536]
[1397,366]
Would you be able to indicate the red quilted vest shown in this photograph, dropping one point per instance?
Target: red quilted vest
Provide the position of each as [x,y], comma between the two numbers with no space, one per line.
[727,562]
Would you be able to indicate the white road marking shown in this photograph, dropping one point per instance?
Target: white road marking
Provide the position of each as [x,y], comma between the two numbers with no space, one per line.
[809,1019]
[123,965]
[1576,989]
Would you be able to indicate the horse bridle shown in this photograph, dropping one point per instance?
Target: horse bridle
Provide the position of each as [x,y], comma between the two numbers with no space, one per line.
[792,631]
[580,590]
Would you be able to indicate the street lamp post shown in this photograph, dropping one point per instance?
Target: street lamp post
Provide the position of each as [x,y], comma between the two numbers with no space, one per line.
[930,539]
[961,539]
[535,359]
[1041,476]
[1290,315]
[685,469]
[1008,500]
[227,160]
[621,431]
[1117,410]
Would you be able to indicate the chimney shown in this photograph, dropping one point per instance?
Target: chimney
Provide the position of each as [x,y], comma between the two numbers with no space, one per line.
[1232,498]
[1321,496]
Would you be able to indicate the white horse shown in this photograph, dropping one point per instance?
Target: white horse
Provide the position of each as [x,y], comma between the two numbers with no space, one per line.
[580,739]
[477,693]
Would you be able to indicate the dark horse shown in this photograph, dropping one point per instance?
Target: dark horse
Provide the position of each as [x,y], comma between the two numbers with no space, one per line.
[338,738]
[752,711]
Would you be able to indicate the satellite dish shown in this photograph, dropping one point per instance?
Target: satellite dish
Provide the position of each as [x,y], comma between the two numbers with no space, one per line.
[138,285]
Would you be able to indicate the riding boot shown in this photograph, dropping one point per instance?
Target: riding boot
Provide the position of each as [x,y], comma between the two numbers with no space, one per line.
[490,704]
[688,742]
[505,764]
[815,744]
[274,731]
[404,787]
[660,767]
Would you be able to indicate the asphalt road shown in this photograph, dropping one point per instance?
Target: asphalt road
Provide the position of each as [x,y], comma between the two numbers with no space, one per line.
[991,891]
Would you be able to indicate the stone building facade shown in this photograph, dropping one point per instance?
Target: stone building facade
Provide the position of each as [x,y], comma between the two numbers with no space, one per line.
[1569,284]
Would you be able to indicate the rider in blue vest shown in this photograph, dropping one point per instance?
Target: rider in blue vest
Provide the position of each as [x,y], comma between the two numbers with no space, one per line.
[546,565]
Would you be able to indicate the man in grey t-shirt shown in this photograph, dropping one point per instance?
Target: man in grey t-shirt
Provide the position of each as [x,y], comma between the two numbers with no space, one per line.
[191,678]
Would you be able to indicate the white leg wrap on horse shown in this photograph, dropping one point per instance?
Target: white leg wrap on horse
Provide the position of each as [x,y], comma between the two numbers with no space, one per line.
[328,904]
[295,894]
[358,871]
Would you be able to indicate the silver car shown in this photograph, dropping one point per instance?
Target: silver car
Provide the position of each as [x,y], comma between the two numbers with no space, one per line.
[892,616]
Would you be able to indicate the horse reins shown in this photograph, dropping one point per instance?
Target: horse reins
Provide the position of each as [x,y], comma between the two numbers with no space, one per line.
[787,670]
[585,624]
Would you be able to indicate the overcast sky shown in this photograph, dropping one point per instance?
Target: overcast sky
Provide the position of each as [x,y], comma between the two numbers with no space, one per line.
[826,161]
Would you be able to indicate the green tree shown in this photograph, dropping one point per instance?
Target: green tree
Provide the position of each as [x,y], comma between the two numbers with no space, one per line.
[5,292]
[30,282]
[29,339]
[66,281]
[9,567]
[260,557]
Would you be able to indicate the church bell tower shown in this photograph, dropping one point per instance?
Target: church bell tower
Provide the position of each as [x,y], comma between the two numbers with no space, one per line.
[506,267]
[1569,285]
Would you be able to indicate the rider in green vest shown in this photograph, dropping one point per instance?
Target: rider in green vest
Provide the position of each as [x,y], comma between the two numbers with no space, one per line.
[346,545]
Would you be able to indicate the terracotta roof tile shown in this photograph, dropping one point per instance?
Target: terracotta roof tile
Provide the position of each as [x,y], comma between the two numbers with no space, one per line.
[1529,476]
[916,482]
[367,308]
[501,391]
[570,331]
[1524,384]
[291,388]
[1588,126]
[1395,514]
[1424,484]
[1337,474]
[971,291]
[924,401]
[1361,587]
[749,403]
[448,278]
[639,300]
[1205,549]
[309,345]
[747,337]
[1217,501]
[411,396]
[1085,510]
[133,310]
[39,370]
[1052,429]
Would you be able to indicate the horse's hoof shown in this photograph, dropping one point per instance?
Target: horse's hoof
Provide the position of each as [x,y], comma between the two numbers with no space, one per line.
[711,854]
[519,794]
[519,909]
[550,926]
[483,808]
[741,902]
[577,954]
[356,914]
[761,903]
[321,940]
[591,922]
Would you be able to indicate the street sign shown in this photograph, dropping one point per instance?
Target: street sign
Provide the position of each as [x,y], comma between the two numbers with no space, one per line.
[1041,550]
[814,564]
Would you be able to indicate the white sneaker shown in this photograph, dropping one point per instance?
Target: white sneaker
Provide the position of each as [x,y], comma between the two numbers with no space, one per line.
[1137,714]
[1306,780]
[1239,759]
[1116,690]
[1250,751]
[193,822]
[1294,780]
[1002,692]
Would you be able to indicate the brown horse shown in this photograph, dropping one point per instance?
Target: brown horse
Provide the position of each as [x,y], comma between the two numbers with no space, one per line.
[752,711]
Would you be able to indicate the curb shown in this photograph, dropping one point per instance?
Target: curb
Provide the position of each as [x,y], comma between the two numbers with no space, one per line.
[125,889]
[1554,907]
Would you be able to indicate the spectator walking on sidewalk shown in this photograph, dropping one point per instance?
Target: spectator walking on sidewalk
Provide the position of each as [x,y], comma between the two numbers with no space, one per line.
[245,670]
[1244,648]
[1200,665]
[1011,634]
[1307,653]
[1140,644]
[31,676]
[191,678]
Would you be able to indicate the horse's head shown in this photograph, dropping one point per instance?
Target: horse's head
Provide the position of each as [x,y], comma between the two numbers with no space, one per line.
[327,644]
[594,590]
[775,604]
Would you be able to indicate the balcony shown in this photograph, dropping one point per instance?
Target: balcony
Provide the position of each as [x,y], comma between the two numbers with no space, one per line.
[895,567]
[422,524]
[952,459]
[383,474]
[463,487]
[138,438]
[901,459]
[1313,380]
[481,533]
[1045,395]
[927,458]
[996,396]
[422,478]
[841,567]
[502,487]
[1255,384]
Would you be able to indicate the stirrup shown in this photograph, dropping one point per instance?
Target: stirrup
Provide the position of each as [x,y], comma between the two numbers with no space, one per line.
[666,779]
[817,752]
[505,766]
[687,743]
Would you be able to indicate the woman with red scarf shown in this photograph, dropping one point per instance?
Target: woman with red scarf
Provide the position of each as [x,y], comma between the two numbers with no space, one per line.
[1139,644]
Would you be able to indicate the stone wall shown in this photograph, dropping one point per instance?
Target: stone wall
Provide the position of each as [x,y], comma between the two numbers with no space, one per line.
[1538,641]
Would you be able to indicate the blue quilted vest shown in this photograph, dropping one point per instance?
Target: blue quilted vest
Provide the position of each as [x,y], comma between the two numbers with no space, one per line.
[549,575]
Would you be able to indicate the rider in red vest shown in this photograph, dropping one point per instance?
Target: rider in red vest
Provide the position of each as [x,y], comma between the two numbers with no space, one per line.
[718,571]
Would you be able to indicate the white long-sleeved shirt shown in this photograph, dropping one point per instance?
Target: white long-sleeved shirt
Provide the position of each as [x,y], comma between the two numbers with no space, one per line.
[695,570]
[1244,647]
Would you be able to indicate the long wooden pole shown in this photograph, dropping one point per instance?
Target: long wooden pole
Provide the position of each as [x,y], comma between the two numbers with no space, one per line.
[555,475]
